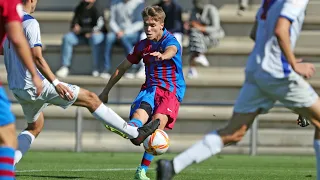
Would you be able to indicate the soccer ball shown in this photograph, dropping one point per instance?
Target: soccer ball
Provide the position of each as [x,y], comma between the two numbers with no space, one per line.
[157,143]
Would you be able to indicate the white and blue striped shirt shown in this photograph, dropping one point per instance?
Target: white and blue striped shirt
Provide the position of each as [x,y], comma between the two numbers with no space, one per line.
[18,75]
[267,55]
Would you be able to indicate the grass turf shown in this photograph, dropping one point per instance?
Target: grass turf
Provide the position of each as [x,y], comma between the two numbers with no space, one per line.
[121,166]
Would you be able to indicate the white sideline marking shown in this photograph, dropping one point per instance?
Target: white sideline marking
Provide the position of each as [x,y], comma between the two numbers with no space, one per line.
[78,170]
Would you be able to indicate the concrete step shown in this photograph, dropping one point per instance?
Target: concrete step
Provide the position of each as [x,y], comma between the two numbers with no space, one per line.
[292,142]
[235,25]
[191,119]
[213,86]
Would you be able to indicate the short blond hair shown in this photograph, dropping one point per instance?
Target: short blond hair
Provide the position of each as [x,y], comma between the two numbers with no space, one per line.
[155,12]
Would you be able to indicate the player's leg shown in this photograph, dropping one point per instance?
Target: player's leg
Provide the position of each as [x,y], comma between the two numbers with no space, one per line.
[108,117]
[251,102]
[8,141]
[313,114]
[32,108]
[27,137]
[167,108]
[142,107]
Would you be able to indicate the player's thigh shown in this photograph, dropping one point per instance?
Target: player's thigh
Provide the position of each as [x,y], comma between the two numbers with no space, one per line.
[237,121]
[166,108]
[52,97]
[143,105]
[251,99]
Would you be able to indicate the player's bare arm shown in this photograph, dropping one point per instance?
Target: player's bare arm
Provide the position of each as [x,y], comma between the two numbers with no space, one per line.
[168,54]
[282,32]
[115,77]
[17,38]
[45,70]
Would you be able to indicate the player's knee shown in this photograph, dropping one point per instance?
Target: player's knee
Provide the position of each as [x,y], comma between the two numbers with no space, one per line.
[92,100]
[35,128]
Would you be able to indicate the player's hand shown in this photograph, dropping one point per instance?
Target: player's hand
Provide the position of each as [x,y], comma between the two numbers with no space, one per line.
[38,84]
[306,70]
[64,92]
[104,98]
[157,55]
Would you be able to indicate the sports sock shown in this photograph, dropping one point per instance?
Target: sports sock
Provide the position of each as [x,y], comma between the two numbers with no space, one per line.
[135,122]
[146,161]
[25,139]
[210,145]
[6,163]
[110,118]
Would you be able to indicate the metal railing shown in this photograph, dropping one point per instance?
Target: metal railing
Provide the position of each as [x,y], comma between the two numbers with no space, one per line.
[253,130]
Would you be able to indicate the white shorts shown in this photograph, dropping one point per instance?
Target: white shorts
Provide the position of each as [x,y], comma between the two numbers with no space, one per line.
[32,105]
[260,91]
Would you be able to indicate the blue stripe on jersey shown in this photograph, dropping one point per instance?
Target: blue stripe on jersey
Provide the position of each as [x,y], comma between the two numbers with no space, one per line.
[285,65]
[38,44]
[27,17]
[169,75]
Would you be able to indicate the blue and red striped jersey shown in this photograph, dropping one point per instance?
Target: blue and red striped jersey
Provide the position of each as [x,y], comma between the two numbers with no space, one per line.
[167,74]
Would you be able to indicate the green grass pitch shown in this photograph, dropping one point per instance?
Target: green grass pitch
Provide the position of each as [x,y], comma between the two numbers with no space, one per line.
[121,166]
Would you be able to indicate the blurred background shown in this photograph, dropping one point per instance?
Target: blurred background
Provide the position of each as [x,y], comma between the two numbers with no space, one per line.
[213,81]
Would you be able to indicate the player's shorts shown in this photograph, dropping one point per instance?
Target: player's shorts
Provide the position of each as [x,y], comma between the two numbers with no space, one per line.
[161,100]
[32,105]
[260,91]
[6,116]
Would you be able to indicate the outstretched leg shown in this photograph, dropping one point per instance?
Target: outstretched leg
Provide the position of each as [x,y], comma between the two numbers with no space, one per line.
[210,145]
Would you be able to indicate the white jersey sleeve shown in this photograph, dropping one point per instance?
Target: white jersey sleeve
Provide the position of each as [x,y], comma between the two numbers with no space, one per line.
[292,9]
[33,34]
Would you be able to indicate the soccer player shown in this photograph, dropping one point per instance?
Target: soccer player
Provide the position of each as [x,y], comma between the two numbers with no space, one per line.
[10,17]
[272,73]
[54,91]
[164,87]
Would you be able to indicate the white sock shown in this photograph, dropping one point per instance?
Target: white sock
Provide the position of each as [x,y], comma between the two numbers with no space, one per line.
[25,139]
[210,145]
[316,145]
[110,118]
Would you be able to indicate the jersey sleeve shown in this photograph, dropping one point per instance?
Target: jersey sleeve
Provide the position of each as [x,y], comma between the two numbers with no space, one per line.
[293,8]
[135,55]
[33,34]
[14,11]
[172,41]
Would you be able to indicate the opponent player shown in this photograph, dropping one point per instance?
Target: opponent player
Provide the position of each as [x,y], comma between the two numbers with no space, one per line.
[54,91]
[164,88]
[10,18]
[272,73]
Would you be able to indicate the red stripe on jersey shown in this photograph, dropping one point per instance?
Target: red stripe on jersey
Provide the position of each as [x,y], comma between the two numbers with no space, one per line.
[165,76]
[174,77]
[156,76]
